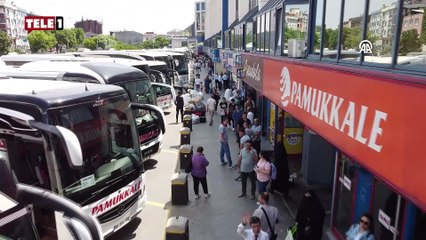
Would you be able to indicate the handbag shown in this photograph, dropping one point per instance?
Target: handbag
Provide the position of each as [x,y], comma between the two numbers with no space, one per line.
[274,235]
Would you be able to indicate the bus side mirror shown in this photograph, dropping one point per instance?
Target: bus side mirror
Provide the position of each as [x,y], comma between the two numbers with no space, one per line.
[25,124]
[68,139]
[155,110]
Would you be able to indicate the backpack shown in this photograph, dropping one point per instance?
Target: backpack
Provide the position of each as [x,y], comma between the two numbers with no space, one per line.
[274,172]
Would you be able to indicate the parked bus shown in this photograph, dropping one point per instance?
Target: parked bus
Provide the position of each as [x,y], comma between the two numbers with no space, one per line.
[17,201]
[106,177]
[135,82]
[172,74]
[181,63]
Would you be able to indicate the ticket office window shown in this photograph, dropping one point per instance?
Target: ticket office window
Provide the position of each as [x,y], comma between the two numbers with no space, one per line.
[344,195]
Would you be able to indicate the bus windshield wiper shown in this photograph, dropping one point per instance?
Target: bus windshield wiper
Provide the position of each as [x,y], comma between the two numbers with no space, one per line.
[108,184]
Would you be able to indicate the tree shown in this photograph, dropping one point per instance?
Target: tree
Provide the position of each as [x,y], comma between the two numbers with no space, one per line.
[409,42]
[5,43]
[148,44]
[79,35]
[290,33]
[65,38]
[41,41]
[90,43]
[160,42]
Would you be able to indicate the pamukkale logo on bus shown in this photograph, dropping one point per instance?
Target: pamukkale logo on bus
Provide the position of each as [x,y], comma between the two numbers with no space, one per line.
[43,23]
[347,116]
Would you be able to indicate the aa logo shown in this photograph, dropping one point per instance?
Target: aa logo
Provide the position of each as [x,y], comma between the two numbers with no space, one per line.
[365,46]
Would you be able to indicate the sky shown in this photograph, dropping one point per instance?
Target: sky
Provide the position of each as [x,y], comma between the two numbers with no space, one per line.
[141,16]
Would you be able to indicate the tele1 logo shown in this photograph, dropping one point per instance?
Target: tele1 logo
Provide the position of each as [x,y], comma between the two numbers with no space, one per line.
[43,23]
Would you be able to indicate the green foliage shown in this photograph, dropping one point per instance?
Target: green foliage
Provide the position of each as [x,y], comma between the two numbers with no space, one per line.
[79,35]
[409,42]
[160,42]
[124,46]
[90,43]
[5,43]
[148,44]
[290,33]
[41,41]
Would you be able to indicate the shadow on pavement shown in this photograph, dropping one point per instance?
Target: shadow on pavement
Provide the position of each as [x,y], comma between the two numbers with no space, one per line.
[175,147]
[128,231]
[150,164]
[166,113]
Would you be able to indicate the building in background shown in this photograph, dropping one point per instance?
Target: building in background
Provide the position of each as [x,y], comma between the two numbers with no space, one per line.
[12,21]
[129,37]
[149,36]
[200,20]
[90,27]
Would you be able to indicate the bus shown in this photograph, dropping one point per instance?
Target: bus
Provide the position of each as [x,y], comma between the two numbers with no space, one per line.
[171,73]
[17,201]
[106,177]
[134,81]
[181,63]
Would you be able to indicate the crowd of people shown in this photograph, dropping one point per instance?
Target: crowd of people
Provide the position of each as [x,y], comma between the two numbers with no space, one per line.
[238,114]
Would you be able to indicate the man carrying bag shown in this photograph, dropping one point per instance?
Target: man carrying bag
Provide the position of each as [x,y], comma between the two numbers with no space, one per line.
[268,215]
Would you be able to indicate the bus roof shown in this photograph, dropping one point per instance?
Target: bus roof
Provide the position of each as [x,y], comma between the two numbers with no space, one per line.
[150,53]
[49,94]
[171,53]
[109,73]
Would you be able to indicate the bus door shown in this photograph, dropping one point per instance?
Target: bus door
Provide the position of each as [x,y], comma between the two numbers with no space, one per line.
[166,95]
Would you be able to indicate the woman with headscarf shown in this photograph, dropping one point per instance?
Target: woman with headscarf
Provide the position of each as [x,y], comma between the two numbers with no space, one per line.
[310,217]
[281,184]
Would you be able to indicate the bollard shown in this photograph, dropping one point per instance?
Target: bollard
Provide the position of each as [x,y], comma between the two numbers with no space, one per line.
[185,155]
[187,121]
[180,188]
[187,110]
[185,136]
[177,228]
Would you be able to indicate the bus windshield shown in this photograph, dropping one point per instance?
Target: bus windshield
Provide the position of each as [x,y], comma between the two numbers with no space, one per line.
[181,64]
[140,91]
[107,134]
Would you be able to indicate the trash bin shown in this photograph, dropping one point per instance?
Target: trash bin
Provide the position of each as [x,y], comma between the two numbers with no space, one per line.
[187,121]
[185,155]
[177,228]
[185,136]
[188,110]
[180,188]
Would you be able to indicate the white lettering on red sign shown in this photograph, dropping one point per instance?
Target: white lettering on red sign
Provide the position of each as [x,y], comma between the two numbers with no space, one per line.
[116,199]
[326,106]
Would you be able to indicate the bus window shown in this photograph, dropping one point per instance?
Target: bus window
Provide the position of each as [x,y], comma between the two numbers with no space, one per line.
[140,92]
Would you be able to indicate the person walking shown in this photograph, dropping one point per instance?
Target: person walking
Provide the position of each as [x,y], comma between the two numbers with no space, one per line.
[268,215]
[224,144]
[310,217]
[199,172]
[223,108]
[216,97]
[364,230]
[255,232]
[231,109]
[197,83]
[211,105]
[263,172]
[225,79]
[236,117]
[249,104]
[247,159]
[179,106]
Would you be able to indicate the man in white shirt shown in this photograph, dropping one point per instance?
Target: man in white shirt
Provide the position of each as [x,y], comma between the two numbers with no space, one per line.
[257,134]
[211,105]
[197,83]
[271,211]
[250,114]
[255,233]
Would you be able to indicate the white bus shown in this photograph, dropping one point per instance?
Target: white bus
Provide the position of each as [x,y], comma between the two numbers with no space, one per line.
[108,182]
[134,81]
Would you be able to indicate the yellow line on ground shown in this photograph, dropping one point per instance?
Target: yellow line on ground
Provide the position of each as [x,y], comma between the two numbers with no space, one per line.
[155,204]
